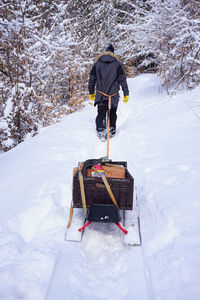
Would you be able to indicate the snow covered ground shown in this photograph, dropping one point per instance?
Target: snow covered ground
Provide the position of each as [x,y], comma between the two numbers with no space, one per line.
[159,137]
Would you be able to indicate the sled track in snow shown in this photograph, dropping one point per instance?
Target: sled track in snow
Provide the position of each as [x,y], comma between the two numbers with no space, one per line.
[101,266]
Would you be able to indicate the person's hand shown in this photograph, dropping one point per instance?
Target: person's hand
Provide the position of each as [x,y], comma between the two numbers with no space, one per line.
[126,99]
[92,97]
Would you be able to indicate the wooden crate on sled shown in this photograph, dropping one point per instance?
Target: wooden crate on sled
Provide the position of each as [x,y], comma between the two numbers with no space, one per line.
[121,183]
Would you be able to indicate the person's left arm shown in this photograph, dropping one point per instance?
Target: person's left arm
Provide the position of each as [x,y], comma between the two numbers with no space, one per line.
[122,80]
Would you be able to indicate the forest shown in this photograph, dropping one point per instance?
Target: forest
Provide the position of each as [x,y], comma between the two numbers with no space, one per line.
[47,49]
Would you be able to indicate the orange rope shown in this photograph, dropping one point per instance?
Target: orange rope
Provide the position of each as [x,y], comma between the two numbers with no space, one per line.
[108,127]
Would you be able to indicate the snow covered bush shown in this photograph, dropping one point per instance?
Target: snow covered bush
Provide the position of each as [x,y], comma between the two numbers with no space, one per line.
[36,70]
[178,40]
[171,31]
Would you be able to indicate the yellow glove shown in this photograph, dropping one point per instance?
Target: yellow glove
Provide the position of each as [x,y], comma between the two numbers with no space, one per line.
[126,99]
[92,97]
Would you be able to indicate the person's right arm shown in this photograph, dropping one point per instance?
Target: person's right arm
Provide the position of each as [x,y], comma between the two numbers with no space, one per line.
[92,80]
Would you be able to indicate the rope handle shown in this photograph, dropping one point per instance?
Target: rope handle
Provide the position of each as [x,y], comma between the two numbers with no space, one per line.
[108,127]
[71,212]
[80,176]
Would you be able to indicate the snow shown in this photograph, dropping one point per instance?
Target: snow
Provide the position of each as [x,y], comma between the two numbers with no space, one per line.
[8,108]
[159,137]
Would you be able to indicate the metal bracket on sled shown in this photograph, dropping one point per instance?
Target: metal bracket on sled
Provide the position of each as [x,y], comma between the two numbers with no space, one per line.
[103,213]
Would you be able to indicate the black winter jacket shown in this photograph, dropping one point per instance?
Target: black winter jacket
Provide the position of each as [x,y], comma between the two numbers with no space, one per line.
[107,74]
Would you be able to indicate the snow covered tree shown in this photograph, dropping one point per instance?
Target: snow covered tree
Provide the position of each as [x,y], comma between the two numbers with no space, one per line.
[17,118]
[177,33]
[36,84]
[171,31]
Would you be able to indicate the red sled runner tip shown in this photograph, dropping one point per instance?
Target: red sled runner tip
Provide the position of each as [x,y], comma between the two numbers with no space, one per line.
[122,228]
[84,226]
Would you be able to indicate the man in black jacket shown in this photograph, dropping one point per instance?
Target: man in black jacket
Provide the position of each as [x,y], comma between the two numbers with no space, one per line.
[107,75]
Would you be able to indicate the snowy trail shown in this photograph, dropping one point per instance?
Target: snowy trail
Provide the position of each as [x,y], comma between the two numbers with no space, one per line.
[101,266]
[159,138]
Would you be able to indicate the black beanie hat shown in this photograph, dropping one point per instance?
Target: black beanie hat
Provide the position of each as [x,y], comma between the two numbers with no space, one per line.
[110,48]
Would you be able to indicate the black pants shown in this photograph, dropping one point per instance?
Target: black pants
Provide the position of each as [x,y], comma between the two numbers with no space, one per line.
[101,116]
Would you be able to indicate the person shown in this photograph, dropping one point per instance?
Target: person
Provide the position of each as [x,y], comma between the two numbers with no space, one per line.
[107,75]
